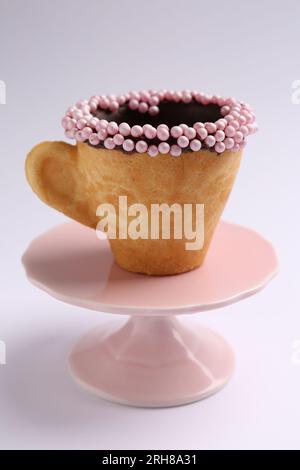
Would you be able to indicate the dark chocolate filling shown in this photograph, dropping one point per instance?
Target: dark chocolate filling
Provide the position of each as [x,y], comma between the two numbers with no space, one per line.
[171,114]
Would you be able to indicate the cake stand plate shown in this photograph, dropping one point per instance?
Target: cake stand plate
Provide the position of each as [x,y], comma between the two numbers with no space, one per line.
[155,359]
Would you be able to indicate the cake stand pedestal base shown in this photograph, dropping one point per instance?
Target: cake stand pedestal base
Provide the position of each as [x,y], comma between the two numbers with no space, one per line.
[152,361]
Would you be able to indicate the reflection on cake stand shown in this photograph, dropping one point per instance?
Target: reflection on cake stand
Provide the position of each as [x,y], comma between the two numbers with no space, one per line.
[155,359]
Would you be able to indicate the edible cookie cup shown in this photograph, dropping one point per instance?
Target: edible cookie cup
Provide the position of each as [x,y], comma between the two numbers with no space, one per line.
[172,148]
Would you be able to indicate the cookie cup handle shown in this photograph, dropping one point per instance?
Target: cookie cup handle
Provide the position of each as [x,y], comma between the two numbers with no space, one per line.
[52,172]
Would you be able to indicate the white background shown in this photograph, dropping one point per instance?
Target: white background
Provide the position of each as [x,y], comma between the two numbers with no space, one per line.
[53,53]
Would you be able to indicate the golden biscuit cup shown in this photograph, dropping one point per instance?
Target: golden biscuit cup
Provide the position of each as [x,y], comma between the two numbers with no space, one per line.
[76,179]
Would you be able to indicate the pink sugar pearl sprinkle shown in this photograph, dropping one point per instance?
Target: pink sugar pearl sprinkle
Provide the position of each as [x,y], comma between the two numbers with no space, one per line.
[118,139]
[184,127]
[210,141]
[114,106]
[190,133]
[133,104]
[153,110]
[70,134]
[149,131]
[94,139]
[141,146]
[164,148]
[229,143]
[81,123]
[102,134]
[80,136]
[176,132]
[202,132]
[221,124]
[109,143]
[143,108]
[93,122]
[183,141]
[152,151]
[238,137]
[229,132]
[112,128]
[128,145]
[175,151]
[162,133]
[124,129]
[210,127]
[195,145]
[219,135]
[220,147]
[86,132]
[102,124]
[137,131]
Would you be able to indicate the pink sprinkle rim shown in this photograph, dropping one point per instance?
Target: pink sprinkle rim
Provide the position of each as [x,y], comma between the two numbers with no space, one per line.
[227,133]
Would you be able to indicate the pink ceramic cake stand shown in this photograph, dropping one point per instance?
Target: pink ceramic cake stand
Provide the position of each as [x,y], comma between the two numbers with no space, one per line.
[155,359]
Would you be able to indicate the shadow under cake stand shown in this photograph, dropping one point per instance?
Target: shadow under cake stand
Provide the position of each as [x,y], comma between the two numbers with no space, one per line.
[154,359]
